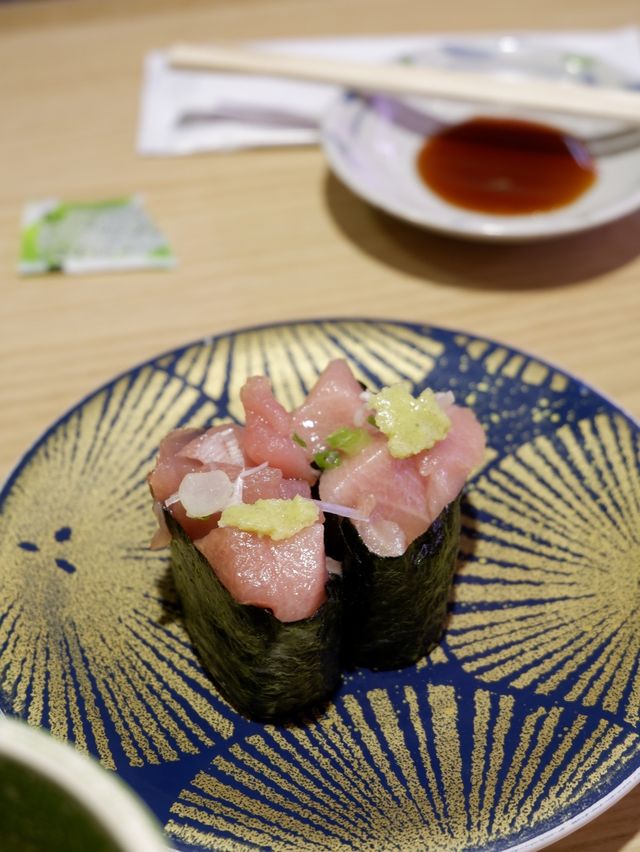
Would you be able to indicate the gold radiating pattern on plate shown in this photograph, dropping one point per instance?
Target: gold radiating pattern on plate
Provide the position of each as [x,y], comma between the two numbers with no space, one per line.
[81,612]
[547,600]
[557,551]
[83,626]
[357,781]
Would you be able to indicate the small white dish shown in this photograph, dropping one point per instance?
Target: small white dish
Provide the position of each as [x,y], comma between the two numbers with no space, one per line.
[372,144]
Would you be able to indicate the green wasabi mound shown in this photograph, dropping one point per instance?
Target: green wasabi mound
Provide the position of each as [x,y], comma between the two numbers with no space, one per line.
[411,424]
[278,519]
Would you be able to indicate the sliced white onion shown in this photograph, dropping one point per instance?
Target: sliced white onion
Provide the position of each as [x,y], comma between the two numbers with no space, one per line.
[173,498]
[360,417]
[333,566]
[162,536]
[445,398]
[342,511]
[238,485]
[236,496]
[222,447]
[205,492]
[250,470]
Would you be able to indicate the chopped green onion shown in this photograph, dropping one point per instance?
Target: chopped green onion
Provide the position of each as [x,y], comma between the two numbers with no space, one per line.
[298,440]
[326,459]
[371,420]
[349,440]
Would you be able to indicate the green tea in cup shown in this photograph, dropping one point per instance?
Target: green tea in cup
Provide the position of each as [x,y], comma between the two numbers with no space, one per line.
[54,799]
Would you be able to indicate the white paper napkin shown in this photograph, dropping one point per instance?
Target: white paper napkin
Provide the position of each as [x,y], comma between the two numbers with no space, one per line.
[185,112]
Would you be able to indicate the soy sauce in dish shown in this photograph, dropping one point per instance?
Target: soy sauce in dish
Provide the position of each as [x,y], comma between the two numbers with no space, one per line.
[505,166]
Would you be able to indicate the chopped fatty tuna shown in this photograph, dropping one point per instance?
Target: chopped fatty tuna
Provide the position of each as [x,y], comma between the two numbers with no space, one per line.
[220,446]
[392,500]
[403,497]
[171,468]
[268,482]
[333,402]
[446,467]
[268,432]
[288,577]
[259,563]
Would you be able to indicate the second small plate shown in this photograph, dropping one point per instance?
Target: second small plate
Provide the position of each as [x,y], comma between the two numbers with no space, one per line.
[372,143]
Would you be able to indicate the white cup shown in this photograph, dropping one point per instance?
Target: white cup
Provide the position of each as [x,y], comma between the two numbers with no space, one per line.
[54,799]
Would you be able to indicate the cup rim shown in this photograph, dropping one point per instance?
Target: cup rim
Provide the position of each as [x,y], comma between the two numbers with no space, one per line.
[119,811]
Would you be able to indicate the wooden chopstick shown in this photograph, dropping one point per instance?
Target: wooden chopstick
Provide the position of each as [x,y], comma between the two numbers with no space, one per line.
[568,98]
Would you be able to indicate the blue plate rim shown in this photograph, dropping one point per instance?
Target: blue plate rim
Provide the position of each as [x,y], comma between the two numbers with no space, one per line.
[553,834]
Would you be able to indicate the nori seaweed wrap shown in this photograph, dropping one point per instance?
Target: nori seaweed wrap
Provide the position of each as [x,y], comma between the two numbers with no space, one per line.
[395,606]
[267,669]
[385,470]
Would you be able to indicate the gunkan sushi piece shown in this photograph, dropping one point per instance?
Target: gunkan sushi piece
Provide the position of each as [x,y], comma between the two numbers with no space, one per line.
[401,466]
[261,601]
[260,514]
[268,669]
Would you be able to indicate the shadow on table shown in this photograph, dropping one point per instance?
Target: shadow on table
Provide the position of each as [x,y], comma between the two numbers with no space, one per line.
[447,260]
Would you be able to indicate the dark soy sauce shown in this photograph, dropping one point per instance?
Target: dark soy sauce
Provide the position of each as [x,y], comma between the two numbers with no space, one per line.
[505,166]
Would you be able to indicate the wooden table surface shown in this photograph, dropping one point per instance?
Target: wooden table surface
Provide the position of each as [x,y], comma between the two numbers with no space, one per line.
[267,235]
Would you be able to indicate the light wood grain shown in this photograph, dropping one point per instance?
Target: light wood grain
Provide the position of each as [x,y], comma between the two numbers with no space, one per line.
[270,235]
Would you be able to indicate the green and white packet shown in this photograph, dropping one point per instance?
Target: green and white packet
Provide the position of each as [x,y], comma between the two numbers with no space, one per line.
[90,236]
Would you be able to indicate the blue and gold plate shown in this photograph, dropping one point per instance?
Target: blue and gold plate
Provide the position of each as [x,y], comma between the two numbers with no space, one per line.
[521,726]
